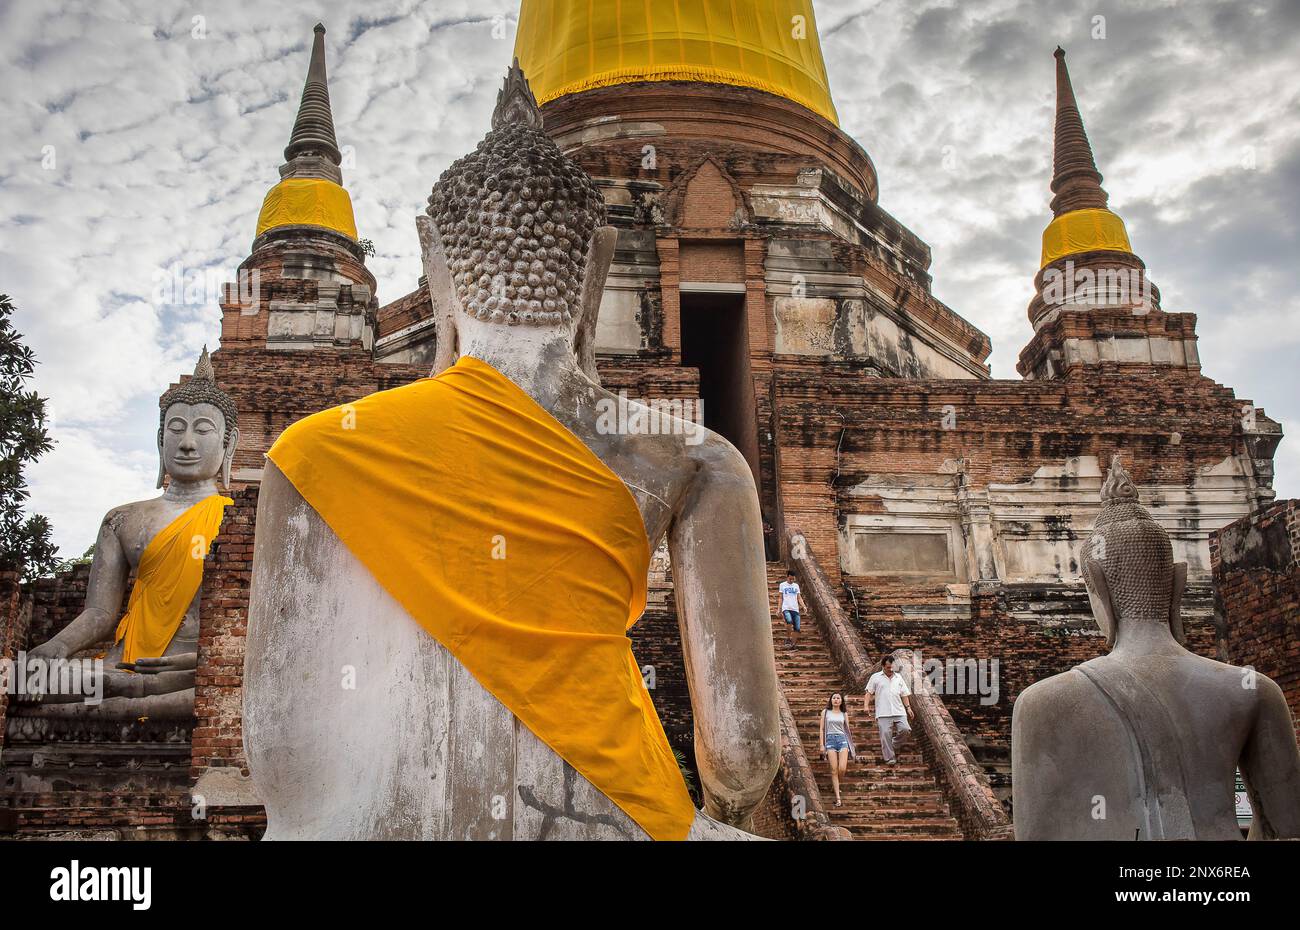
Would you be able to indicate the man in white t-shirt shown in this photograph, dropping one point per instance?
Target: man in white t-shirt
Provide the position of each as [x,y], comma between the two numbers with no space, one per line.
[790,600]
[893,700]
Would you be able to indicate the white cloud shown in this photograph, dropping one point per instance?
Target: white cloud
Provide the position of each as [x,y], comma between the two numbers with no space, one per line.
[165,144]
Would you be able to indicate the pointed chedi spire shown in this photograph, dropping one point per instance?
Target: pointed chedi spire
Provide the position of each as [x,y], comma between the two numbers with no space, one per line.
[313,130]
[1087,265]
[311,192]
[1082,222]
[1076,182]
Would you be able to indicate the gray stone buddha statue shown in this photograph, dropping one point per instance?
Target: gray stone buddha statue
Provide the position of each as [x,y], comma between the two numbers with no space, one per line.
[1145,742]
[359,724]
[197,436]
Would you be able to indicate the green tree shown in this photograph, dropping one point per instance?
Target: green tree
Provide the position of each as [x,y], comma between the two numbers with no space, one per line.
[25,544]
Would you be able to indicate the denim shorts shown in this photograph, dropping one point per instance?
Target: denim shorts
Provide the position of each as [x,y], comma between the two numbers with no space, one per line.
[837,741]
[792,617]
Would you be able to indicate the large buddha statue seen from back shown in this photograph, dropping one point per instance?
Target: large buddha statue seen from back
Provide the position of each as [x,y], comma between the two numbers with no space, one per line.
[444,573]
[1145,742]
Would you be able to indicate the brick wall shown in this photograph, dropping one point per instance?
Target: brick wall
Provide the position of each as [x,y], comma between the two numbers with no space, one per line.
[14,617]
[218,685]
[1256,564]
[31,614]
[218,739]
[57,600]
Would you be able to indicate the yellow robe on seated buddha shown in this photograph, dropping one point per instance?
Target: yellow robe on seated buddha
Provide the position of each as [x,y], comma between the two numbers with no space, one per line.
[170,572]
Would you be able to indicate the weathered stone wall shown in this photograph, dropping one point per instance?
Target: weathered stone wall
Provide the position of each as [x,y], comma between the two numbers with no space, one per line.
[1257,595]
[218,704]
[218,768]
[57,600]
[30,614]
[15,614]
[1008,471]
[658,651]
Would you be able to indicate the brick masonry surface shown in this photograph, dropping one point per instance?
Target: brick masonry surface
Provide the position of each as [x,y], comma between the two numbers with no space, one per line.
[1256,563]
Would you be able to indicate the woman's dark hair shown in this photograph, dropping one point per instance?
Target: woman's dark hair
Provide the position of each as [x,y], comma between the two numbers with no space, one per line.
[844,705]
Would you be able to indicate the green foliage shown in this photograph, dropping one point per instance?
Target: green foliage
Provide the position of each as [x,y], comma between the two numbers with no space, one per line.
[687,775]
[367,246]
[66,565]
[25,544]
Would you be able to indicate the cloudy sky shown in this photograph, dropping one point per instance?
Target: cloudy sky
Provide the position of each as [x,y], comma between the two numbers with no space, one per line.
[141,137]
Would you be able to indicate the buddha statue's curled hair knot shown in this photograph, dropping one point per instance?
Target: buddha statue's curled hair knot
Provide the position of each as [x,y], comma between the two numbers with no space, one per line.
[516,218]
[201,388]
[1118,486]
[1132,550]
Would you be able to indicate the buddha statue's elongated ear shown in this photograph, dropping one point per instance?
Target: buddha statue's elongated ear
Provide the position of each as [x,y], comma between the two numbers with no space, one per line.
[228,457]
[600,255]
[1176,603]
[442,295]
[1103,609]
[162,469]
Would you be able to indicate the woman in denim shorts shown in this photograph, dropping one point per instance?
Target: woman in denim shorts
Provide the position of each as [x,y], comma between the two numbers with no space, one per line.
[836,739]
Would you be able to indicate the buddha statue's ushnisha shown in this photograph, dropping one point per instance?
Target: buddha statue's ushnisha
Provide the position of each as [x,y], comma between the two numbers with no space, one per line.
[163,540]
[1145,742]
[468,552]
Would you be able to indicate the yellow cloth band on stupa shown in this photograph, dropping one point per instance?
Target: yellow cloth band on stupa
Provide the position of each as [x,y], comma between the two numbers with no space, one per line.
[568,46]
[1083,231]
[307,202]
[170,572]
[515,547]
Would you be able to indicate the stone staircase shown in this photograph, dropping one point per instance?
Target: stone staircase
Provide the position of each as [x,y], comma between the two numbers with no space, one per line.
[900,802]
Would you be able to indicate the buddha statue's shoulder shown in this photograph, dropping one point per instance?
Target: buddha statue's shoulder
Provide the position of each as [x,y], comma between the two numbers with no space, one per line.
[634,435]
[1241,687]
[1071,680]
[137,523]
[1055,697]
[135,513]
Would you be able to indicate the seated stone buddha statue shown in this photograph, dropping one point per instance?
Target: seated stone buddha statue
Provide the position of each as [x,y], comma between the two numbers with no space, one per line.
[1145,742]
[164,541]
[444,573]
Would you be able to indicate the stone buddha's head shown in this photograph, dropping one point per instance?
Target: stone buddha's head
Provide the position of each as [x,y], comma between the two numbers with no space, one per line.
[1128,563]
[521,230]
[197,428]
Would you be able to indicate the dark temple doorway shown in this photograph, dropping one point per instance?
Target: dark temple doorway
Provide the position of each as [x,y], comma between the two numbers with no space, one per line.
[716,341]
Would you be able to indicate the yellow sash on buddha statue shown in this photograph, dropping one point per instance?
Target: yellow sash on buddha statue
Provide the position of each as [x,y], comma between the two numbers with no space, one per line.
[170,572]
[516,548]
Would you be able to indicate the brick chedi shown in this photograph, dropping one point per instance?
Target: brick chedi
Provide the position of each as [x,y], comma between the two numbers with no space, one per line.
[305,283]
[1094,305]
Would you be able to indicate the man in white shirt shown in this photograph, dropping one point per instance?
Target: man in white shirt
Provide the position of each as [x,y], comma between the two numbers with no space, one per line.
[893,708]
[790,600]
